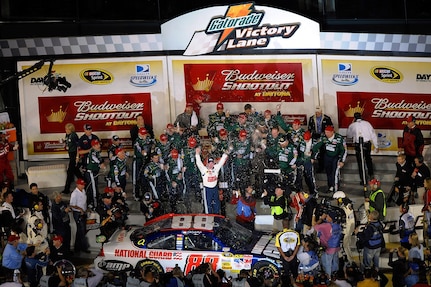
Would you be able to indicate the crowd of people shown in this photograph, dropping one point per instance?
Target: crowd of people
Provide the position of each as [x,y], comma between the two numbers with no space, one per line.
[245,157]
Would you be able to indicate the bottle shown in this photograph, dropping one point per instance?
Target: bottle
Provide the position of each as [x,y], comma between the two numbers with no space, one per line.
[16,273]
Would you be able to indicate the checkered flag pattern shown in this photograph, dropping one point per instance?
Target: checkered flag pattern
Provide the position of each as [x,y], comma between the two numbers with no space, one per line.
[80,45]
[376,42]
[201,43]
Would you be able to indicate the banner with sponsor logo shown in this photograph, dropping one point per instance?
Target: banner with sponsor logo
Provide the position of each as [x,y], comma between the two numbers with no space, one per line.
[385,90]
[263,81]
[107,93]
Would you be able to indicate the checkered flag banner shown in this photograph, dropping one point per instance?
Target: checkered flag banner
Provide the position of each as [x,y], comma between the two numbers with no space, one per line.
[201,43]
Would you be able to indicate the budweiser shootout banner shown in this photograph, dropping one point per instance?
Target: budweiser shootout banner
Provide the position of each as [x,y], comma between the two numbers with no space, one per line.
[262,81]
[386,90]
[107,93]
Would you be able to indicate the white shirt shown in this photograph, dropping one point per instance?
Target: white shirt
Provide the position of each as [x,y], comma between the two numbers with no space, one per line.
[361,128]
[8,206]
[78,198]
[210,176]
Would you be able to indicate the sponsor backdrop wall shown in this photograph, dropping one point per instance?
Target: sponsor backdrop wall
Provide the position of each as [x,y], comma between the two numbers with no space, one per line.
[106,93]
[262,81]
[386,90]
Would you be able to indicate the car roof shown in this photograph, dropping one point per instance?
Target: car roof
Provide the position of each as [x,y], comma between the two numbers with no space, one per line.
[184,222]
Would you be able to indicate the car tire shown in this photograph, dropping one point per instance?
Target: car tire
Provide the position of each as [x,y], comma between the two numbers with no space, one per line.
[153,263]
[265,270]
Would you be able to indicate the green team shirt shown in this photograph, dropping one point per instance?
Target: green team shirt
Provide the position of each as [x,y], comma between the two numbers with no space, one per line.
[334,147]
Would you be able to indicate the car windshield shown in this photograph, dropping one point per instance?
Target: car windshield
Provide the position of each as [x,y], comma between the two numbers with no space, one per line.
[226,233]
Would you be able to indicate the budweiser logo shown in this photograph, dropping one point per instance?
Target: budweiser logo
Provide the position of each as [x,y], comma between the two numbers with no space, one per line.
[88,106]
[384,108]
[126,112]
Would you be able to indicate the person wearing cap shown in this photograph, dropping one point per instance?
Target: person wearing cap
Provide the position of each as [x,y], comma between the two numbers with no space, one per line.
[58,250]
[372,238]
[329,232]
[189,120]
[150,207]
[241,153]
[334,156]
[287,157]
[142,148]
[71,141]
[304,164]
[175,178]
[140,123]
[298,201]
[155,177]
[115,143]
[78,204]
[268,120]
[94,164]
[13,253]
[84,146]
[376,198]
[359,131]
[190,170]
[406,225]
[163,148]
[174,138]
[346,205]
[234,127]
[412,144]
[245,207]
[118,172]
[61,220]
[216,121]
[209,175]
[288,242]
[108,224]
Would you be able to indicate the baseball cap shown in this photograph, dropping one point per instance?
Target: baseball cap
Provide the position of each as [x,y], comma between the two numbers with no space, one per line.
[329,129]
[242,116]
[118,150]
[297,122]
[243,133]
[13,237]
[267,111]
[106,195]
[189,105]
[220,106]
[80,181]
[163,137]
[108,189]
[318,109]
[147,196]
[411,119]
[174,153]
[307,135]
[210,159]
[222,132]
[143,131]
[87,127]
[58,237]
[94,142]
[357,116]
[115,138]
[169,126]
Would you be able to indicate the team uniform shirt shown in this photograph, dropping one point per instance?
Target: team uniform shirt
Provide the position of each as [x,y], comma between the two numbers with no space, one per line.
[163,150]
[94,159]
[78,198]
[287,158]
[142,146]
[242,152]
[215,123]
[334,147]
[210,176]
[118,170]
[287,240]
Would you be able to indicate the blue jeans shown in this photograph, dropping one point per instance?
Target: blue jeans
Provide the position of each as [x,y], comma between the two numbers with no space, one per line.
[371,257]
[211,200]
[412,279]
[329,262]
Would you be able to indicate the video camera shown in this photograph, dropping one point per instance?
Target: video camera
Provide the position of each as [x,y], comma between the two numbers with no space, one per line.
[326,207]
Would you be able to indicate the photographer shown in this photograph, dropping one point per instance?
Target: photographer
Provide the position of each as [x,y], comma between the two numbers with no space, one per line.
[400,267]
[106,210]
[329,232]
[150,207]
[372,238]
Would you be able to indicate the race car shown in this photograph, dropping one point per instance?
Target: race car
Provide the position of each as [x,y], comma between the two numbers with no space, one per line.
[188,240]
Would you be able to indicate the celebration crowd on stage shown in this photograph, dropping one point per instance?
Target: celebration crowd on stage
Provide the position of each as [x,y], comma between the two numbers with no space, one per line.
[245,158]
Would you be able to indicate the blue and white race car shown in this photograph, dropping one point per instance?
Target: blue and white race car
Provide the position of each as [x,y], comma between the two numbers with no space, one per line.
[188,240]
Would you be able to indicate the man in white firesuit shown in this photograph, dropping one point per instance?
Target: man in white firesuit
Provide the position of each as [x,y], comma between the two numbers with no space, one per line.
[348,228]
